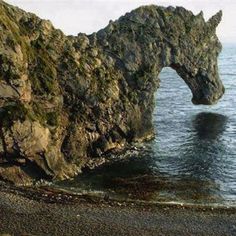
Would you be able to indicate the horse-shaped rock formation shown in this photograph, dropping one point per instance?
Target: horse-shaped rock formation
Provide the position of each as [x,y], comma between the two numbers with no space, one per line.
[68,101]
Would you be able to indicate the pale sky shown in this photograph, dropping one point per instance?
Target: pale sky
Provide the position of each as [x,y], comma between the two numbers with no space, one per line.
[87,16]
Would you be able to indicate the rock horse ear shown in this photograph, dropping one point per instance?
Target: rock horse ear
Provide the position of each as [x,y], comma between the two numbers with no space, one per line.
[214,21]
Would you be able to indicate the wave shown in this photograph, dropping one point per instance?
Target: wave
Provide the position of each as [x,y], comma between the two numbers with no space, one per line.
[116,197]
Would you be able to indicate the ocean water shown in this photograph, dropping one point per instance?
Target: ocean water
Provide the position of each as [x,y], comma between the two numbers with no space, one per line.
[193,156]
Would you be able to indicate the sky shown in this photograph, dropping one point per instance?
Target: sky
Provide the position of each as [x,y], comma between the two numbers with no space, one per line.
[88,16]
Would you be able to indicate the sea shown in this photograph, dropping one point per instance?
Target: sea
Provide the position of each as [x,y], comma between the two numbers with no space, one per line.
[192,159]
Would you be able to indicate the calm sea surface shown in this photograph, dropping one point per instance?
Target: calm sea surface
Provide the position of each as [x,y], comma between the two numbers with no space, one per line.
[193,157]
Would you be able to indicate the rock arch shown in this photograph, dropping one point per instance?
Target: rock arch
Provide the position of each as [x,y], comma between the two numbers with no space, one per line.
[66,101]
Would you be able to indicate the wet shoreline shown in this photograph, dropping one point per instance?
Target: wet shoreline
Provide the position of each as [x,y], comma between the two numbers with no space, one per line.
[52,195]
[46,212]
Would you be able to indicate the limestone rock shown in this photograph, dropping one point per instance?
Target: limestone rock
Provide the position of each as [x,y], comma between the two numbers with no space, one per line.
[65,101]
[14,174]
[30,138]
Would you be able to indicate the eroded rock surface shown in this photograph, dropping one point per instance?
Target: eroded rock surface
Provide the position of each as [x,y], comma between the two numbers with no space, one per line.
[65,101]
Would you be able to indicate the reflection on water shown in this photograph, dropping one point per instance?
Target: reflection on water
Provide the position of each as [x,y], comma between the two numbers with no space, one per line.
[200,156]
[188,175]
[193,157]
[209,126]
[198,162]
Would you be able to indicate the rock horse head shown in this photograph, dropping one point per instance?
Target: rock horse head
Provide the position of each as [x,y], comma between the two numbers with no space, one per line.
[150,38]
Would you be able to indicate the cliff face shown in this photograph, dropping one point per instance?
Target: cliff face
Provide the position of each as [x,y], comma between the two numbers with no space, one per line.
[65,101]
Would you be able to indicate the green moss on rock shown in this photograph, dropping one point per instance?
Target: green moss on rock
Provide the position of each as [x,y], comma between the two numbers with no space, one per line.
[13,112]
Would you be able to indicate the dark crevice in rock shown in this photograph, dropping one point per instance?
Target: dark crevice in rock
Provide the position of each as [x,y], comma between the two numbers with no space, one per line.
[4,146]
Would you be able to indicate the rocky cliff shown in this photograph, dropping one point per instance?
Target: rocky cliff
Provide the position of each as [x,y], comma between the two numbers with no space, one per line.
[66,101]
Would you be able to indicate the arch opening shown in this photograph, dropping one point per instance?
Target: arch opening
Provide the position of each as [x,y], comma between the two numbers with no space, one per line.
[171,99]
